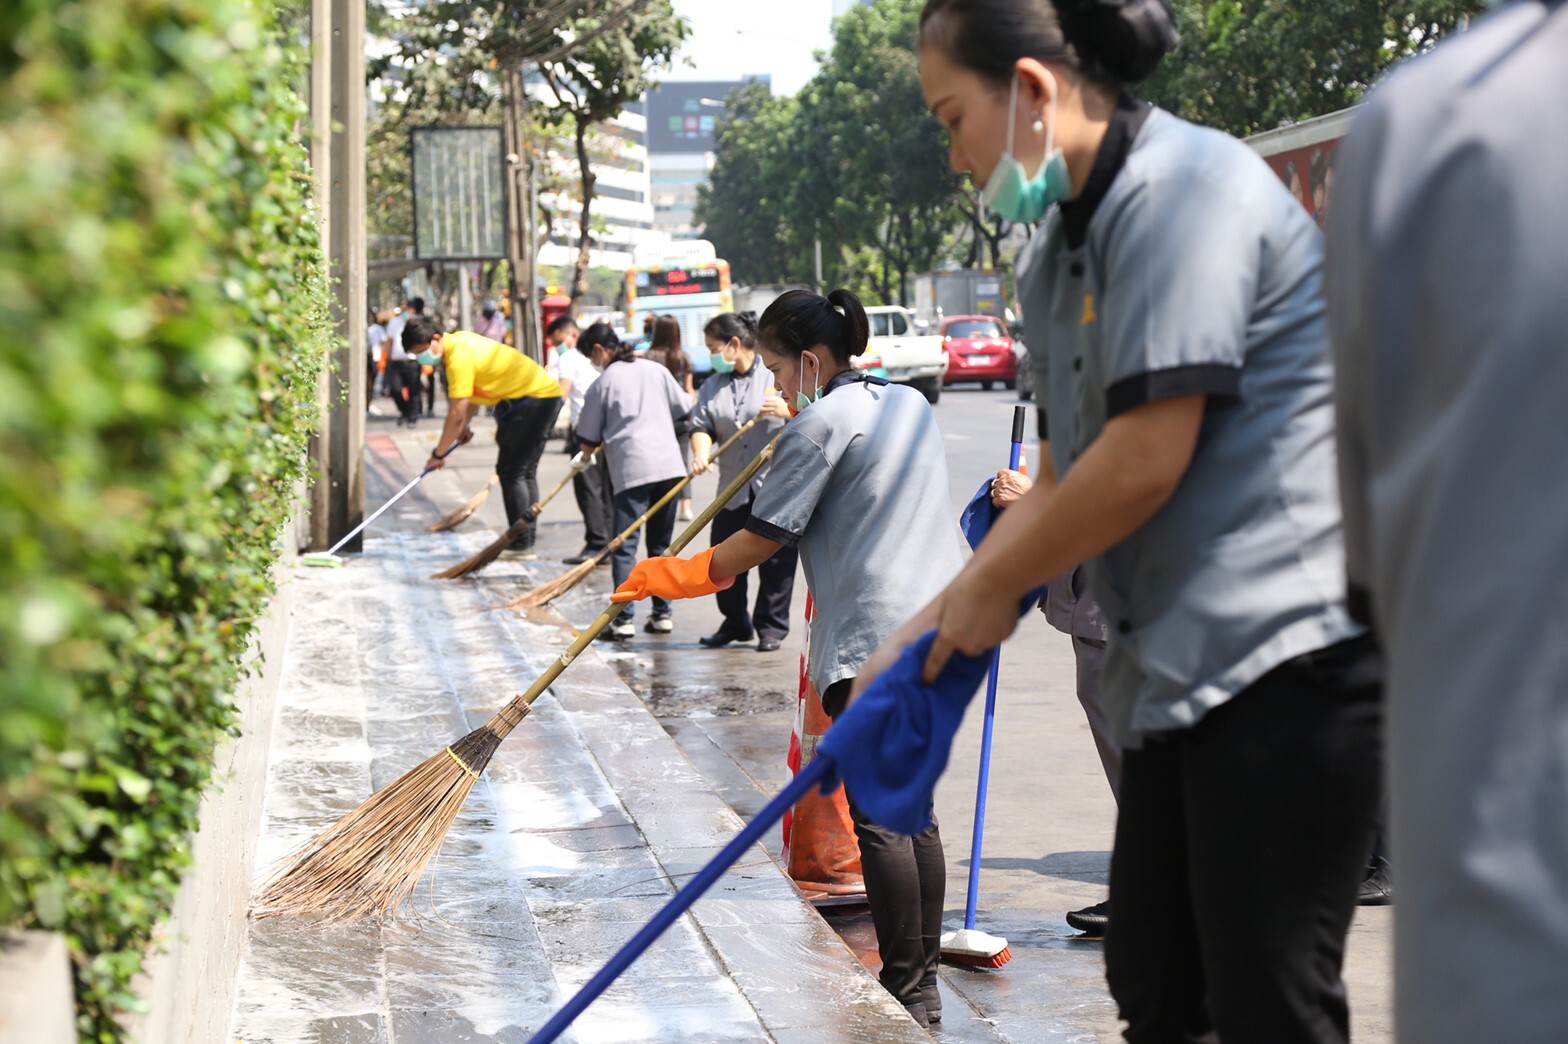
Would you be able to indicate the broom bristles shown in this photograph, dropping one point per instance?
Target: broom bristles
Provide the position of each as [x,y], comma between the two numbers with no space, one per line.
[464,513]
[369,861]
[547,593]
[487,556]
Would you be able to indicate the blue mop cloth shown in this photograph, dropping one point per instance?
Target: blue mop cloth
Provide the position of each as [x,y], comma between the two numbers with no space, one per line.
[976,522]
[891,746]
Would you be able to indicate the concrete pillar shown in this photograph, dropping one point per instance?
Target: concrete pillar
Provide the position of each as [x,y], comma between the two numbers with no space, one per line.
[319,530]
[347,252]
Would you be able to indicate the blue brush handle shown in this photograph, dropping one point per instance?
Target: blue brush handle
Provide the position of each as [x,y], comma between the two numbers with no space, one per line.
[978,842]
[811,776]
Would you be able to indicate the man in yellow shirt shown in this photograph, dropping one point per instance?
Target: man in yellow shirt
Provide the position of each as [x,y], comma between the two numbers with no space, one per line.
[482,372]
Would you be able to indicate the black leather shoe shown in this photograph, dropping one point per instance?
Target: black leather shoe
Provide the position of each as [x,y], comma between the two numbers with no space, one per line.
[582,556]
[768,644]
[1378,888]
[720,638]
[1091,920]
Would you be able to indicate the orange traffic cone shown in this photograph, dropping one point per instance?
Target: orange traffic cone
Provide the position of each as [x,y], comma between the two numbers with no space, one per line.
[820,848]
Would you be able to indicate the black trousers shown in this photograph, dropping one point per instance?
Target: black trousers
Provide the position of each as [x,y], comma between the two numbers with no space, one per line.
[775,584]
[592,490]
[630,505]
[1240,848]
[403,386]
[906,882]
[521,428]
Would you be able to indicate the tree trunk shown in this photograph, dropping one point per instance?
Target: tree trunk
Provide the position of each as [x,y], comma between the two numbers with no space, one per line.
[579,285]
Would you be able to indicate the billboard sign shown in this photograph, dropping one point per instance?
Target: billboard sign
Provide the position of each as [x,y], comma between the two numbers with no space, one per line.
[686,116]
[459,183]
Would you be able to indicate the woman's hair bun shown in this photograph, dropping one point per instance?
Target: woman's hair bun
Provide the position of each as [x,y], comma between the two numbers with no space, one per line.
[857,328]
[1125,38]
[749,321]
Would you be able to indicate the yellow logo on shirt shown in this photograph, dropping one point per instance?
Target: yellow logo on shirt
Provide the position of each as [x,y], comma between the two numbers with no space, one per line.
[1088,310]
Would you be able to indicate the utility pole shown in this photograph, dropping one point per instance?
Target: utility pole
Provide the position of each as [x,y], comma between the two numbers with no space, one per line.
[320,535]
[345,474]
[519,217]
[818,247]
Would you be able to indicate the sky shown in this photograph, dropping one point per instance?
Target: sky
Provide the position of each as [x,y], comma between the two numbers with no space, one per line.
[733,38]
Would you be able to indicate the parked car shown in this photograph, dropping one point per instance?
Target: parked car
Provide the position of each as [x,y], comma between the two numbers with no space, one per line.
[1025,363]
[909,357]
[980,349]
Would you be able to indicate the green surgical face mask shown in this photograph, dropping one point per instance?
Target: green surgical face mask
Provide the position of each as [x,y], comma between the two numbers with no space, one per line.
[1010,191]
[720,364]
[802,400]
[427,358]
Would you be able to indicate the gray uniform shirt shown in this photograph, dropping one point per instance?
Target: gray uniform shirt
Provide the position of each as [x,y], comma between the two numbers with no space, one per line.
[725,402]
[1448,238]
[1187,269]
[632,408]
[859,483]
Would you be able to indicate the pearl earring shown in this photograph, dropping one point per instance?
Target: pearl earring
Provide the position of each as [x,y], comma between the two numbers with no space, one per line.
[1039,124]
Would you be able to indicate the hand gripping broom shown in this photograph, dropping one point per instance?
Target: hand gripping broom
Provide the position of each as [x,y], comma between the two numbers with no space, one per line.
[369,861]
[493,551]
[546,593]
[329,559]
[969,946]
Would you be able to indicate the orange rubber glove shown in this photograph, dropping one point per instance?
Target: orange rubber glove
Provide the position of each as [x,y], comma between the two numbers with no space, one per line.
[671,578]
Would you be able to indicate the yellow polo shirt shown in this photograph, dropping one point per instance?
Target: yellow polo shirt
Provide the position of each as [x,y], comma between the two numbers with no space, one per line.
[490,372]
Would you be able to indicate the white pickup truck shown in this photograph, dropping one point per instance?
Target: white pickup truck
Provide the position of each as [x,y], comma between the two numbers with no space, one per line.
[911,358]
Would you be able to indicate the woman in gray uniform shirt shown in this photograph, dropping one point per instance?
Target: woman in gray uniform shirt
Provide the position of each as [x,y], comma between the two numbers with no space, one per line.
[742,388]
[1176,287]
[859,486]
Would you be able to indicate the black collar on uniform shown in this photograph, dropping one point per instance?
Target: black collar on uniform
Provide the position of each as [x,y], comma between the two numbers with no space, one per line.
[1126,121]
[853,376]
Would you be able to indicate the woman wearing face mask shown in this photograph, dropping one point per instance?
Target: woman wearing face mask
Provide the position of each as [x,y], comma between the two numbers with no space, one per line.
[859,486]
[1190,435]
[742,388]
[632,410]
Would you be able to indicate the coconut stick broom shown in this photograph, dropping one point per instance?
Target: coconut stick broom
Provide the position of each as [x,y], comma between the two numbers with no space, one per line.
[369,861]
[466,512]
[493,551]
[547,593]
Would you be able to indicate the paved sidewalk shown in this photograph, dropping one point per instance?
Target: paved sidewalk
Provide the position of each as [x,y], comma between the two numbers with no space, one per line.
[1051,817]
[586,821]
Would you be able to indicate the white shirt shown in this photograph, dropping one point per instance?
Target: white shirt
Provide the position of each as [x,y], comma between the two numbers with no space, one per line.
[395,336]
[572,365]
[375,337]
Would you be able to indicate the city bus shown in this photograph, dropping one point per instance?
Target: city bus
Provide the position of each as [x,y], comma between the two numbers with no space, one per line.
[685,280]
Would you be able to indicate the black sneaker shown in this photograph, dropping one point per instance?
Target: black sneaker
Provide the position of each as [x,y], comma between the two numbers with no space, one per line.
[1091,920]
[659,624]
[767,645]
[585,555]
[932,999]
[621,630]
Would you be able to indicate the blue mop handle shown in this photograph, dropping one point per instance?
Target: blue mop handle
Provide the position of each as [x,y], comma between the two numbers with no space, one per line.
[1015,455]
[811,776]
[395,498]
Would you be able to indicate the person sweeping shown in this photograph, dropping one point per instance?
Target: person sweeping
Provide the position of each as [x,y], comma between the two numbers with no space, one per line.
[741,389]
[482,372]
[1177,289]
[859,486]
[631,411]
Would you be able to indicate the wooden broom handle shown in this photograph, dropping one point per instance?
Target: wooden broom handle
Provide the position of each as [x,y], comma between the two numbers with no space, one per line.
[607,617]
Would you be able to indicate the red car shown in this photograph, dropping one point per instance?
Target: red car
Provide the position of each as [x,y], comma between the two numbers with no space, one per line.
[978,349]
